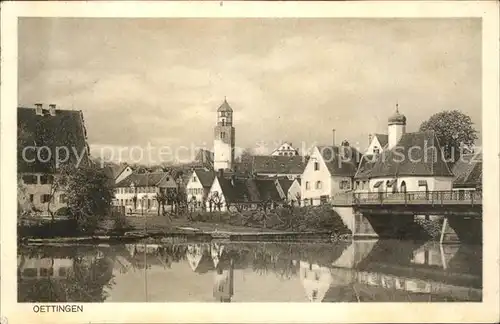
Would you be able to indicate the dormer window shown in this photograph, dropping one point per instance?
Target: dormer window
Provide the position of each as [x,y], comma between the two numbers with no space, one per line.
[376,150]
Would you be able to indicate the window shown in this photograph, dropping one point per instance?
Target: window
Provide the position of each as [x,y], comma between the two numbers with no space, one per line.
[376,150]
[357,184]
[345,184]
[32,197]
[318,184]
[222,135]
[307,185]
[30,179]
[62,198]
[46,272]
[46,179]
[44,198]
[194,179]
[62,272]
[316,166]
[363,184]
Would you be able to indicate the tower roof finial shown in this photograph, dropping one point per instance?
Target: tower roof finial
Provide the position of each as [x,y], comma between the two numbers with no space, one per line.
[397,107]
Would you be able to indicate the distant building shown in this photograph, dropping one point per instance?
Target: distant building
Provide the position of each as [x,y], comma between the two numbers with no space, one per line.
[40,133]
[118,172]
[278,166]
[285,149]
[377,143]
[143,186]
[198,186]
[329,171]
[224,138]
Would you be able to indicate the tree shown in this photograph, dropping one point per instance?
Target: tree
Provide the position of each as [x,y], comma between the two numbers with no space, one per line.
[455,132]
[161,198]
[89,194]
[134,200]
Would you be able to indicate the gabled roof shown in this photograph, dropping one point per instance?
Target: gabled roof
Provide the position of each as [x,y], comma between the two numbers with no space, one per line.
[383,139]
[405,160]
[65,129]
[468,171]
[237,189]
[267,189]
[285,184]
[205,177]
[286,146]
[270,164]
[244,189]
[153,179]
[338,165]
[365,166]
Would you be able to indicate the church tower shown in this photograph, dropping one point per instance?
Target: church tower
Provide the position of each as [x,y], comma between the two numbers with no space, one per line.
[397,127]
[224,138]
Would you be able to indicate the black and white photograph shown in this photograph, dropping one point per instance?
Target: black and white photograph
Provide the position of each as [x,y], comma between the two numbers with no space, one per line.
[249,160]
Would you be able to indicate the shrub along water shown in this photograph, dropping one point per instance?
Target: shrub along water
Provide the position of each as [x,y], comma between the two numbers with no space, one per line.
[298,219]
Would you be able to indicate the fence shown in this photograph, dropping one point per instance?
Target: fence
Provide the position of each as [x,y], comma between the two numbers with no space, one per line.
[465,197]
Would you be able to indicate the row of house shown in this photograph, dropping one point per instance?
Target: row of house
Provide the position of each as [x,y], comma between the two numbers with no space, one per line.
[215,178]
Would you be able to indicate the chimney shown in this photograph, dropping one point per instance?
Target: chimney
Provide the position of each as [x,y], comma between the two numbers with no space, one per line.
[38,109]
[333,137]
[221,173]
[52,109]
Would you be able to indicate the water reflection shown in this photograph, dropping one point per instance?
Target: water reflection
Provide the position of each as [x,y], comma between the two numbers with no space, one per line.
[360,271]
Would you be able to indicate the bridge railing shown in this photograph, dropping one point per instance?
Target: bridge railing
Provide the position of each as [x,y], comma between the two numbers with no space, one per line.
[411,197]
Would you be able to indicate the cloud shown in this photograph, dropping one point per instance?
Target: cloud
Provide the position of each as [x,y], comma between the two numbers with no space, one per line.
[154,80]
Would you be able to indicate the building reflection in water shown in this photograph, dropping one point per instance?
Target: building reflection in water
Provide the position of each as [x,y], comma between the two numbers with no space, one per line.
[361,271]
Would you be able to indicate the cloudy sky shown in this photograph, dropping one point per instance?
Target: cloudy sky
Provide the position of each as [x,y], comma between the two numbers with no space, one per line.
[160,81]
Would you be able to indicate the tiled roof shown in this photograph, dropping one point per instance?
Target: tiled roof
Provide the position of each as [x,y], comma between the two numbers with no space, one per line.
[239,189]
[365,166]
[468,171]
[383,139]
[285,184]
[159,179]
[65,129]
[405,160]
[205,177]
[267,189]
[278,164]
[336,164]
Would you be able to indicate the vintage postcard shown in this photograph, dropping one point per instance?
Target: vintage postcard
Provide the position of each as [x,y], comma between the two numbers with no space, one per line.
[249,162]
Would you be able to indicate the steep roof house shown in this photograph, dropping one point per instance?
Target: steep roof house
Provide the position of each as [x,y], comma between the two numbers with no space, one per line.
[468,172]
[330,170]
[45,135]
[198,186]
[415,164]
[246,192]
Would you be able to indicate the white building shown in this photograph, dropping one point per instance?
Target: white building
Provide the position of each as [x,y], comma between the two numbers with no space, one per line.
[329,171]
[198,186]
[412,162]
[285,149]
[139,190]
[224,138]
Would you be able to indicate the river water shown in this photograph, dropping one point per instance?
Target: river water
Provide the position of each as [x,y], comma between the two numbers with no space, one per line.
[359,271]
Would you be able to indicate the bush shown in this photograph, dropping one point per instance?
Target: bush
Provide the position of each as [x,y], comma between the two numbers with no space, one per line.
[310,218]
